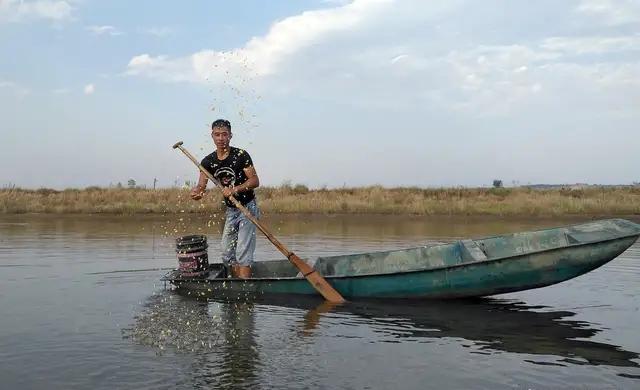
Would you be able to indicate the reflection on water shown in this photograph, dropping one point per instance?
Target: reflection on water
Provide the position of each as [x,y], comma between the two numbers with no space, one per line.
[181,324]
[493,325]
[240,350]
[222,334]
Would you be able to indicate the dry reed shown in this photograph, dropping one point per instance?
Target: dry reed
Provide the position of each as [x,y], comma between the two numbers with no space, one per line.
[289,199]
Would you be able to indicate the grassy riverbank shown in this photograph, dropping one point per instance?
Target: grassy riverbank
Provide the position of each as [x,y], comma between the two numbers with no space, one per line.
[365,200]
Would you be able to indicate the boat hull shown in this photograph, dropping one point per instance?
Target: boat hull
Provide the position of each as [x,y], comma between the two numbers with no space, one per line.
[471,279]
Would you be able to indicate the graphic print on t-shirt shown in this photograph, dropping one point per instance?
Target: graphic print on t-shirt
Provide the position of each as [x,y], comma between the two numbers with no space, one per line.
[225,176]
[230,172]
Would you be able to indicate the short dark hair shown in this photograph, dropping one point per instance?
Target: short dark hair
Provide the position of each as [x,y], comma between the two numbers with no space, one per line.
[221,123]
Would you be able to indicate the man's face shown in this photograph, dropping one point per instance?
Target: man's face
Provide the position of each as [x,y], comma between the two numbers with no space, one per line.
[221,137]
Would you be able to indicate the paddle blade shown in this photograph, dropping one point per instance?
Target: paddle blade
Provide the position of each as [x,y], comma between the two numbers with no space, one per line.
[324,288]
[317,281]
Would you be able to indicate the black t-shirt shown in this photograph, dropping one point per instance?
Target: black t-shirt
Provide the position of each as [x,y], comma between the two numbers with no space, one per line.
[230,172]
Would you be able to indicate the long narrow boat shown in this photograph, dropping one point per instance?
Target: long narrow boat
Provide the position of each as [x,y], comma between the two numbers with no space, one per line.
[465,268]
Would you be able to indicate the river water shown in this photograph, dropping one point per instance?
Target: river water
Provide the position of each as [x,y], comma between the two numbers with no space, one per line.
[81,306]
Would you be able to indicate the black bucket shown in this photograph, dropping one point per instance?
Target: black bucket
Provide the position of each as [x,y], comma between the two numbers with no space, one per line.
[193,259]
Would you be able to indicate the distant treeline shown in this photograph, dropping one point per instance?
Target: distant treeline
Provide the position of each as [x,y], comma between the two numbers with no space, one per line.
[520,201]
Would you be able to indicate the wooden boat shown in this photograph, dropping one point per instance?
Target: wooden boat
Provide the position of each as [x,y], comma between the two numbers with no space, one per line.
[465,268]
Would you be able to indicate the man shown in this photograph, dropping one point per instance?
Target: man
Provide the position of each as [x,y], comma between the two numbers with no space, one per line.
[233,168]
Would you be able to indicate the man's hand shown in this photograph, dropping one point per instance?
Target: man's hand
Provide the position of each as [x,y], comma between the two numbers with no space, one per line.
[196,193]
[228,191]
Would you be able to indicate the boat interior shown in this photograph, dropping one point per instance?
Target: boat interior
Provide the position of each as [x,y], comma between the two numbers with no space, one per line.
[454,253]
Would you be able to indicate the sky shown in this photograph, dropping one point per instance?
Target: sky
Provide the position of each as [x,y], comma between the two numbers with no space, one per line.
[322,93]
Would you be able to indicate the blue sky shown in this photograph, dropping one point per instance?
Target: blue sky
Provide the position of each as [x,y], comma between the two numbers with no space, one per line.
[398,93]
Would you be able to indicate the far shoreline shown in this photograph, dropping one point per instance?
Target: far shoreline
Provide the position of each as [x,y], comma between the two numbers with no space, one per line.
[267,215]
[585,203]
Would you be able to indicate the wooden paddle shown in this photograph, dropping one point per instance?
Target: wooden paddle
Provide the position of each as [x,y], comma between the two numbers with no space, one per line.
[316,280]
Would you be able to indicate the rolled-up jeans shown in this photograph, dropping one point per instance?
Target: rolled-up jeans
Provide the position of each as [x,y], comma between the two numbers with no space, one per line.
[239,236]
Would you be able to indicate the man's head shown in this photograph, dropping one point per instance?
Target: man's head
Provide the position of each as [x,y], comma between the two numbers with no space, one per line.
[221,133]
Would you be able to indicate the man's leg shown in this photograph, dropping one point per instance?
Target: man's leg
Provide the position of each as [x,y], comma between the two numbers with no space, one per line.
[246,244]
[229,238]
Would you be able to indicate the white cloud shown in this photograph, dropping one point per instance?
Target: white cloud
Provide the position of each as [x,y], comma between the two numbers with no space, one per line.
[403,54]
[612,12]
[499,80]
[336,2]
[15,88]
[162,68]
[159,32]
[399,58]
[261,55]
[105,30]
[21,10]
[89,89]
[592,45]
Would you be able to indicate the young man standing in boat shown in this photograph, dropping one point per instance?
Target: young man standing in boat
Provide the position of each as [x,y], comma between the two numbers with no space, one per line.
[233,168]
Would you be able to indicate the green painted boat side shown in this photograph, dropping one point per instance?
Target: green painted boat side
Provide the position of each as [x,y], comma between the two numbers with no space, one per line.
[466,268]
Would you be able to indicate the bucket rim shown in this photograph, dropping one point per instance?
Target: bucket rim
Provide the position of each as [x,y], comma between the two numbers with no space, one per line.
[192,236]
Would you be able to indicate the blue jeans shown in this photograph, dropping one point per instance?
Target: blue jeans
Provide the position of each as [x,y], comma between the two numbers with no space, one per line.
[239,236]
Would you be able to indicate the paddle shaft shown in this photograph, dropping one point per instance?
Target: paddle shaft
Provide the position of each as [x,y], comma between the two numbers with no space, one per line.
[316,280]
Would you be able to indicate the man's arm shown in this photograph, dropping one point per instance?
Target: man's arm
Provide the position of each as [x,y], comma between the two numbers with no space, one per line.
[252,182]
[198,190]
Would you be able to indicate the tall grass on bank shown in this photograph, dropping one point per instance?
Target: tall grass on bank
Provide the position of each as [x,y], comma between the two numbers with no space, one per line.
[289,199]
